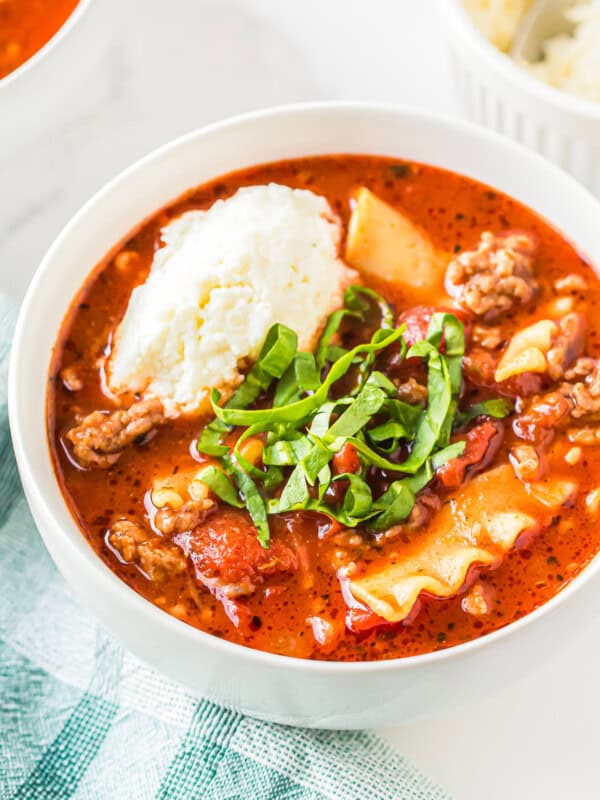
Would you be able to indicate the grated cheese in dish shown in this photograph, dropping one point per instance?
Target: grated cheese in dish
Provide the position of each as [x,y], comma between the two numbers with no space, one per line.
[572,62]
[498,20]
[224,276]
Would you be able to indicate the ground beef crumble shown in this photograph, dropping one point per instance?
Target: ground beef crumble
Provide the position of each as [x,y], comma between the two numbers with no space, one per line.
[99,438]
[158,559]
[498,274]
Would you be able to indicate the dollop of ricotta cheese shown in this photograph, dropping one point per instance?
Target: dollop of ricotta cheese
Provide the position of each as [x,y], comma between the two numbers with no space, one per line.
[267,254]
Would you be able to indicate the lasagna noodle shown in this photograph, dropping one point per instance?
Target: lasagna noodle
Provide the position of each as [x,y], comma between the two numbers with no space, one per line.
[476,528]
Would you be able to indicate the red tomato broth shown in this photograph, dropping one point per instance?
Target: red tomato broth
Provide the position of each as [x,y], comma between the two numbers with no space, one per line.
[26,26]
[454,211]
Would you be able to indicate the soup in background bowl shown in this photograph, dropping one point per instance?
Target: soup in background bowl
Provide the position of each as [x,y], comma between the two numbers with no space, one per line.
[331,408]
[40,43]
[26,26]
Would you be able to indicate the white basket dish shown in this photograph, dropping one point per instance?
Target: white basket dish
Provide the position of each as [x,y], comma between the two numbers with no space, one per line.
[495,91]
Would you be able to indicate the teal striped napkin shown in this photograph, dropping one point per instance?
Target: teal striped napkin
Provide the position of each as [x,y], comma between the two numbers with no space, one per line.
[82,718]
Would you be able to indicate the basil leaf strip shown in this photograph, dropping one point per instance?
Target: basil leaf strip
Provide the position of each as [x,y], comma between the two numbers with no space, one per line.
[355,306]
[388,435]
[295,493]
[287,390]
[300,376]
[305,369]
[447,334]
[358,500]
[358,413]
[316,459]
[374,459]
[353,301]
[497,407]
[209,441]
[354,418]
[272,476]
[286,452]
[275,356]
[439,398]
[443,456]
[399,500]
[220,485]
[332,326]
[254,502]
[443,386]
[293,412]
[322,419]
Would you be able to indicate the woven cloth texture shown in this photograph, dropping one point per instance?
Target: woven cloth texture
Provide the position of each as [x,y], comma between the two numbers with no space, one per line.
[82,718]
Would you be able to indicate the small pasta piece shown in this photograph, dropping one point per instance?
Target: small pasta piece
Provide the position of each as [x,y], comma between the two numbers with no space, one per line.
[126,260]
[554,493]
[592,502]
[526,351]
[198,490]
[588,437]
[562,305]
[571,283]
[526,462]
[72,378]
[166,497]
[573,456]
[545,346]
[483,522]
[478,601]
[327,632]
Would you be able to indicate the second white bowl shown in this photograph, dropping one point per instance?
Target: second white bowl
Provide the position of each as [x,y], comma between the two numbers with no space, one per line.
[494,91]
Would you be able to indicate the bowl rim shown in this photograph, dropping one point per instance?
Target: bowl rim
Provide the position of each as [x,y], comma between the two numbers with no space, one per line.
[33,61]
[512,72]
[79,547]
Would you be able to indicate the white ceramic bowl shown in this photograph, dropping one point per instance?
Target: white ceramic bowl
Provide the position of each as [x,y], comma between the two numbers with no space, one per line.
[274,687]
[494,91]
[32,95]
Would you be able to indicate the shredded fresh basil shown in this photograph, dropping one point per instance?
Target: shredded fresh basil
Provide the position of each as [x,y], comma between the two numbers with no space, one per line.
[358,500]
[275,357]
[294,412]
[254,501]
[497,407]
[338,397]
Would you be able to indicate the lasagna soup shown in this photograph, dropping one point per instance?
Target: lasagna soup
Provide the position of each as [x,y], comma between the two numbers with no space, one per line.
[26,26]
[339,407]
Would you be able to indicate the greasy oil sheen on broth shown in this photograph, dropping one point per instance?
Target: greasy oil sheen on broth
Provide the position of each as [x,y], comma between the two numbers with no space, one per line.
[454,211]
[26,26]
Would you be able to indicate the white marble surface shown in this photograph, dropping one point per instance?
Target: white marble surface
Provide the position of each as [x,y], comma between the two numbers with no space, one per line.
[157,69]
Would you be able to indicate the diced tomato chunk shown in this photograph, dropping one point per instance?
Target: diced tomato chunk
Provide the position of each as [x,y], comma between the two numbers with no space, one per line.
[226,552]
[417,321]
[346,460]
[327,632]
[481,445]
[544,416]
[359,620]
[358,617]
[239,614]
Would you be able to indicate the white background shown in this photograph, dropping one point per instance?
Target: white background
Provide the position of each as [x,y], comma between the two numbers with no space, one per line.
[156,68]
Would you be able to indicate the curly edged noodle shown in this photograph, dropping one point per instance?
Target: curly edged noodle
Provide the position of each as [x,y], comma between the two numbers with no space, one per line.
[305,427]
[476,528]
